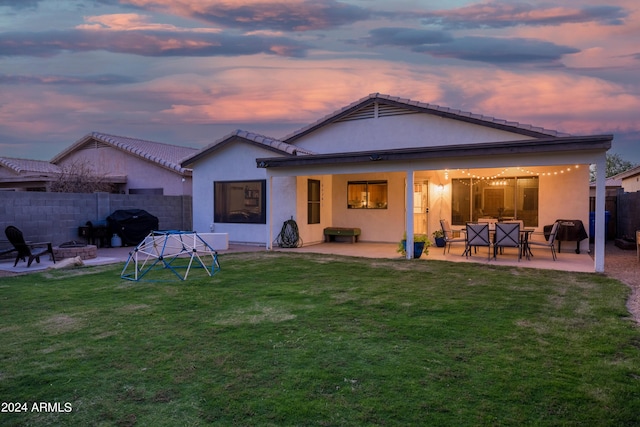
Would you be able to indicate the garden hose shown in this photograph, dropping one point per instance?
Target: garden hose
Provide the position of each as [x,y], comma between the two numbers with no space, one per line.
[289,236]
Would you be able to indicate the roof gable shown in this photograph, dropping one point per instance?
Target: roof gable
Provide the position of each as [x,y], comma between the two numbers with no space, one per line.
[377,105]
[165,155]
[239,135]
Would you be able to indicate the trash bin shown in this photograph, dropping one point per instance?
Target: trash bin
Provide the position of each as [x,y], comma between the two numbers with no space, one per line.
[592,225]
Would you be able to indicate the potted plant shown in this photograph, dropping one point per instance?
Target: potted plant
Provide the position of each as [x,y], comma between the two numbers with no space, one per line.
[438,235]
[420,245]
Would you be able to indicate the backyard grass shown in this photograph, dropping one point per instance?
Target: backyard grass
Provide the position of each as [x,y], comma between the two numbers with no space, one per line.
[286,339]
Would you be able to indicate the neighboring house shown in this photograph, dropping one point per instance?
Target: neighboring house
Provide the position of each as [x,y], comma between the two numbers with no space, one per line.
[630,180]
[130,165]
[388,166]
[26,175]
[133,166]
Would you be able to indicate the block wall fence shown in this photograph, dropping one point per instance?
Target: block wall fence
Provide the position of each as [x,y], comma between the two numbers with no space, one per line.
[55,217]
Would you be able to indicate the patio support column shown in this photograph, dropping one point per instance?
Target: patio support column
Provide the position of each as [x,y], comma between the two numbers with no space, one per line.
[269,219]
[599,219]
[409,214]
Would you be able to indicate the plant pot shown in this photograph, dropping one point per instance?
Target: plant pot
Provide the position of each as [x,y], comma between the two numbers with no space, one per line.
[440,242]
[418,248]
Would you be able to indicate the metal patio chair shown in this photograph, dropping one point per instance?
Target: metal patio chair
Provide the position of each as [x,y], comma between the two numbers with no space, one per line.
[478,235]
[549,243]
[507,236]
[449,236]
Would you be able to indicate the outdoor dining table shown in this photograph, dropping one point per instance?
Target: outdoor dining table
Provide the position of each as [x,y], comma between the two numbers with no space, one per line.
[525,234]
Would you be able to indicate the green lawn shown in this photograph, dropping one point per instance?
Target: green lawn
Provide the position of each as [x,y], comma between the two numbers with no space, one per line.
[286,339]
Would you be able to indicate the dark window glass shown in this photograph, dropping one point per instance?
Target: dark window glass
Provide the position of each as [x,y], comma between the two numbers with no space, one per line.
[240,202]
[499,198]
[313,201]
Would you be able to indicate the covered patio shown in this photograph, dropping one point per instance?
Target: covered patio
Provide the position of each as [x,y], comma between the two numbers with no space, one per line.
[536,181]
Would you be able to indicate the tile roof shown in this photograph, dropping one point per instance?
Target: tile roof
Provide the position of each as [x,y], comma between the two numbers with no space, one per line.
[515,127]
[165,155]
[260,140]
[27,166]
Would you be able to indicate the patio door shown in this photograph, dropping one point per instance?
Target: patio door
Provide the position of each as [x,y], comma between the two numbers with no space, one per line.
[421,207]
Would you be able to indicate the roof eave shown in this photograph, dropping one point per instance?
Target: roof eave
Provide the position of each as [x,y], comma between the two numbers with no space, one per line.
[546,145]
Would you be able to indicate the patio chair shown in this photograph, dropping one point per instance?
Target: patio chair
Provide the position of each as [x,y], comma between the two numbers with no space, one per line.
[449,236]
[549,243]
[507,236]
[27,251]
[478,235]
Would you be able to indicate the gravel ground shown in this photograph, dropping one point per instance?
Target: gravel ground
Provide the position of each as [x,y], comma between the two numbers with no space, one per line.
[624,266]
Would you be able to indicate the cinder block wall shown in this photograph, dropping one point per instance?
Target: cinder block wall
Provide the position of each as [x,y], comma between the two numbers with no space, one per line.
[55,217]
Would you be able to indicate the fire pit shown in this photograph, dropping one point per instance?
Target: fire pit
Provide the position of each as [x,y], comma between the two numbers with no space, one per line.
[75,249]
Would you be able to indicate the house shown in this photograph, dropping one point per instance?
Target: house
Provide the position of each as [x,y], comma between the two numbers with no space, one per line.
[129,165]
[387,166]
[133,166]
[25,174]
[630,180]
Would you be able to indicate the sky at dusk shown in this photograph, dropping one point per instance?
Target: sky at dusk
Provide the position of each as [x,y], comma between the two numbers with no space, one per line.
[188,72]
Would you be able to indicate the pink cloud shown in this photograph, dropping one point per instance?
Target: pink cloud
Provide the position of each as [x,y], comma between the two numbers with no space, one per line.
[567,103]
[132,22]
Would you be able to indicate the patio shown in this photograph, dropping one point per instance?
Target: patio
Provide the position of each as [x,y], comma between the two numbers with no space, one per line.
[568,260]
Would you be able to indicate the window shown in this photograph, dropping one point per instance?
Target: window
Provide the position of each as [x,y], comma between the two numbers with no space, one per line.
[313,201]
[240,202]
[367,194]
[501,198]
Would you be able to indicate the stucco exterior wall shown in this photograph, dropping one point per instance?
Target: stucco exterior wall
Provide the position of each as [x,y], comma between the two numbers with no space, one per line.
[404,131]
[283,204]
[314,233]
[377,225]
[631,184]
[565,197]
[236,162]
[141,174]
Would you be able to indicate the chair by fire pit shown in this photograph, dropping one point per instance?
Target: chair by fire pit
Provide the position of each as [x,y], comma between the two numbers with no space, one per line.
[27,251]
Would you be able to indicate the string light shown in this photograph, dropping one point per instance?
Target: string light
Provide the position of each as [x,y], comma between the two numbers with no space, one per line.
[519,171]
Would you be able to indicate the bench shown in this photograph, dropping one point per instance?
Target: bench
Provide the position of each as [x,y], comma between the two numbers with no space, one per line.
[335,233]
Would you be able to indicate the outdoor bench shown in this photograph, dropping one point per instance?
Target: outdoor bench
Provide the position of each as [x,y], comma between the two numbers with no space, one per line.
[333,233]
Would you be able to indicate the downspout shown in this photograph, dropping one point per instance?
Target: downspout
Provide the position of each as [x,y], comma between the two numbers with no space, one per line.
[599,219]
